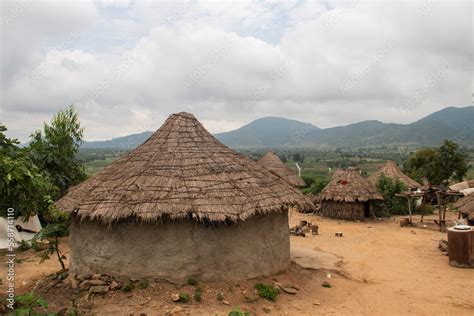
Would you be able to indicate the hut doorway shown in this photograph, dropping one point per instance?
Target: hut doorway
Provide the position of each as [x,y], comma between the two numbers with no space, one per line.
[367,209]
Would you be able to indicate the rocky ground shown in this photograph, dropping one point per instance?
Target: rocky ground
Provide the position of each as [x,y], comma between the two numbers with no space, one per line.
[377,267]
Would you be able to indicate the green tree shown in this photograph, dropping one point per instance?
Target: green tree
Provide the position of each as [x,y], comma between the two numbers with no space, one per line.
[391,205]
[318,184]
[436,165]
[23,186]
[54,149]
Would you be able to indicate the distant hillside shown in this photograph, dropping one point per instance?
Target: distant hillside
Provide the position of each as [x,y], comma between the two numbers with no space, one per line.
[267,132]
[125,142]
[273,132]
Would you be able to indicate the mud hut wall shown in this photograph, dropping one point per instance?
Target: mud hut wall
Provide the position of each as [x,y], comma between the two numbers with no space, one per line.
[177,250]
[343,210]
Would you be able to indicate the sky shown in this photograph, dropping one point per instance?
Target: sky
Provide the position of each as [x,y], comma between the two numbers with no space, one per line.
[127,65]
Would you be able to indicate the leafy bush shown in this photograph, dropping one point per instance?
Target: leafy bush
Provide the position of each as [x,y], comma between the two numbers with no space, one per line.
[143,284]
[127,287]
[192,281]
[238,313]
[392,205]
[27,302]
[197,296]
[317,186]
[23,245]
[267,291]
[183,297]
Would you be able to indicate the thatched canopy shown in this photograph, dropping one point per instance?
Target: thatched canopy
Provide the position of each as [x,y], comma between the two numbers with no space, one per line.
[181,171]
[336,173]
[273,163]
[392,171]
[466,205]
[349,186]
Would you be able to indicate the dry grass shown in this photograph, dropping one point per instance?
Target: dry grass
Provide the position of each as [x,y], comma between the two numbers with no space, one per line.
[273,163]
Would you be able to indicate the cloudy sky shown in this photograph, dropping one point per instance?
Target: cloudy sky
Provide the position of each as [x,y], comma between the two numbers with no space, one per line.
[127,65]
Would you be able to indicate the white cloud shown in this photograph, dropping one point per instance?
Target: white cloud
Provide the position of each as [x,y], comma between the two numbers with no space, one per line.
[230,63]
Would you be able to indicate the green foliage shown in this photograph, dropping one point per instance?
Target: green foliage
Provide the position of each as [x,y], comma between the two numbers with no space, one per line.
[27,302]
[24,246]
[267,291]
[391,205]
[197,296]
[54,149]
[143,284]
[318,184]
[183,297]
[438,165]
[192,281]
[238,313]
[23,186]
[127,287]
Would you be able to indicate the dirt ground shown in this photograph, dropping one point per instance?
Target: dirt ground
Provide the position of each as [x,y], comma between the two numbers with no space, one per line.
[376,268]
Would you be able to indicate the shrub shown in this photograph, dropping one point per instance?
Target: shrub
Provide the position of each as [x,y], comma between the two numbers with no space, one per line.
[267,291]
[192,281]
[24,246]
[238,313]
[183,297]
[27,302]
[197,294]
[143,284]
[392,205]
[317,186]
[127,287]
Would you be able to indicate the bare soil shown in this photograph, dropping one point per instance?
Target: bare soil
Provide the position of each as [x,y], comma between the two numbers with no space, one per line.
[376,268]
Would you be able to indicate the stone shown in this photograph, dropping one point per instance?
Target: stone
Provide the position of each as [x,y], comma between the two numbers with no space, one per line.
[278,285]
[225,302]
[317,303]
[96,282]
[114,286]
[177,310]
[267,309]
[96,276]
[73,282]
[175,297]
[84,285]
[290,290]
[99,289]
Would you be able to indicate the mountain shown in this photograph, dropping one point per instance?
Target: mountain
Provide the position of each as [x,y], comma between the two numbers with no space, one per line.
[273,132]
[267,132]
[125,142]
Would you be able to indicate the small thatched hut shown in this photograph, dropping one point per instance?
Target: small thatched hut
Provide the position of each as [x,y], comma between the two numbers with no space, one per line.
[466,207]
[349,196]
[392,171]
[181,205]
[273,163]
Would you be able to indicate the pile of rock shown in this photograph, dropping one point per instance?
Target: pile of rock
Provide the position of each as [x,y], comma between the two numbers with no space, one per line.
[94,284]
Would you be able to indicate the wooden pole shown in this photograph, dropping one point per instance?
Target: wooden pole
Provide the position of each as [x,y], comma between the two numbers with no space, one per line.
[440,217]
[409,208]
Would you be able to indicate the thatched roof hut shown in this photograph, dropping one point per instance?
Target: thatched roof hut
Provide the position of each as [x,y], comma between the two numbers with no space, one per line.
[466,206]
[273,163]
[349,196]
[182,204]
[392,171]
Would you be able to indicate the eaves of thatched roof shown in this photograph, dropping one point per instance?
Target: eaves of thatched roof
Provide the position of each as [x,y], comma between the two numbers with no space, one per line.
[349,186]
[273,163]
[466,205]
[392,171]
[181,171]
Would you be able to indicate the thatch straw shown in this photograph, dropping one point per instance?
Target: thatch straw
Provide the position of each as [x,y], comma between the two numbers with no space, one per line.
[349,186]
[273,163]
[181,171]
[392,171]
[466,205]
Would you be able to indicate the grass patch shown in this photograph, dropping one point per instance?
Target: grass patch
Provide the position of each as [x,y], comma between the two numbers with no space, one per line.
[197,296]
[183,297]
[192,281]
[143,284]
[127,287]
[267,291]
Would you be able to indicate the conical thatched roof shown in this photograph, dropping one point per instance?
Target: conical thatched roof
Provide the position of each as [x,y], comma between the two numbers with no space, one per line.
[336,173]
[466,205]
[273,163]
[392,171]
[349,186]
[181,171]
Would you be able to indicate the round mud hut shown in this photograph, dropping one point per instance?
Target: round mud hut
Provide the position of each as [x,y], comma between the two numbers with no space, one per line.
[392,171]
[273,163]
[349,196]
[181,205]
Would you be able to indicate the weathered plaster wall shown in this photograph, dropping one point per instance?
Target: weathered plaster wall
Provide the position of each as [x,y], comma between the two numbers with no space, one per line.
[177,250]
